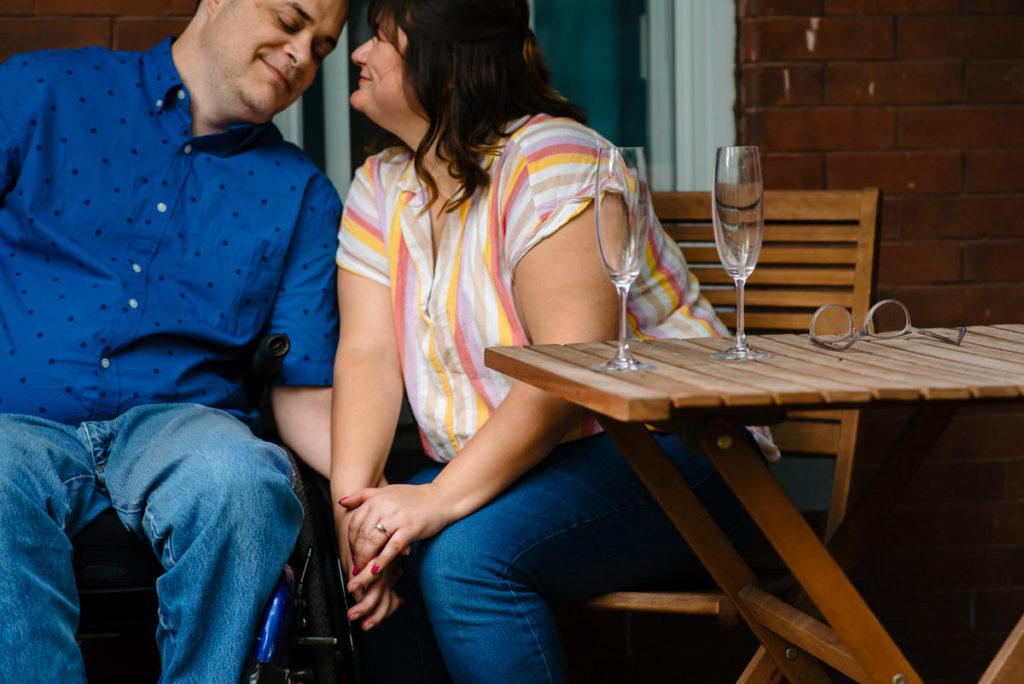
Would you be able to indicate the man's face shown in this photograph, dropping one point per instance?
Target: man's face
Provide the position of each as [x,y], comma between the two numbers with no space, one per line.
[264,53]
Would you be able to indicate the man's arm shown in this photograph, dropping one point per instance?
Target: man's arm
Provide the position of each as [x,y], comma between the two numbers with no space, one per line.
[303,417]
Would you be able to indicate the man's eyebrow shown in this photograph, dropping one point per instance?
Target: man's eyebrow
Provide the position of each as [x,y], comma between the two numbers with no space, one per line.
[305,15]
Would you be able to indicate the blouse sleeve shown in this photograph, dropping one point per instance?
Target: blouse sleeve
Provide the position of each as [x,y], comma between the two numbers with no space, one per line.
[547,178]
[362,236]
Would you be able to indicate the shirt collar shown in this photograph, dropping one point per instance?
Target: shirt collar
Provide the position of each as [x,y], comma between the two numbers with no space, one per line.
[164,89]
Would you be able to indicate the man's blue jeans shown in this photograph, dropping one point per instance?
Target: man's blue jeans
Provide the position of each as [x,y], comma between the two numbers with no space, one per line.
[214,502]
[579,524]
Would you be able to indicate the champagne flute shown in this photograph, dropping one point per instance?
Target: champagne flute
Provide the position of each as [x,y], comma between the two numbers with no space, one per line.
[737,199]
[620,220]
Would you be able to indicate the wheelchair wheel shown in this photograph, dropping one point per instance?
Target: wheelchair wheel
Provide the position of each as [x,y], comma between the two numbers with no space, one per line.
[325,648]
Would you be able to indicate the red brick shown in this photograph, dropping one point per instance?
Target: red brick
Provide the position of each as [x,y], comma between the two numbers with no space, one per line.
[141,34]
[891,6]
[764,8]
[10,7]
[23,35]
[995,81]
[995,171]
[925,616]
[950,659]
[897,172]
[890,218]
[946,526]
[983,433]
[793,171]
[184,8]
[960,36]
[998,610]
[846,128]
[894,82]
[920,262]
[104,7]
[952,305]
[792,84]
[945,483]
[1015,477]
[962,127]
[961,216]
[922,570]
[993,262]
[778,39]
[992,6]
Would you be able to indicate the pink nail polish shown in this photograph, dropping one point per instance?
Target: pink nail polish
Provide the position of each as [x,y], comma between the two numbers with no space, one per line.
[342,499]
[355,570]
[374,569]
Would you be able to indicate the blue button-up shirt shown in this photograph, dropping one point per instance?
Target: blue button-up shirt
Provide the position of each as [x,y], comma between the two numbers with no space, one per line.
[138,262]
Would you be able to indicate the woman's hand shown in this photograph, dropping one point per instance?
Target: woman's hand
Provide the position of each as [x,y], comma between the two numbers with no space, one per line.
[405,512]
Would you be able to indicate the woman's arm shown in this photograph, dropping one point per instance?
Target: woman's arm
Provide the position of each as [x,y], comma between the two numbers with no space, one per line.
[564,296]
[367,394]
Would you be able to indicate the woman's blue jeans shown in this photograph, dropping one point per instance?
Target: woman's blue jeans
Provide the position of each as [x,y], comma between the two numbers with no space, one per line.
[579,524]
[214,502]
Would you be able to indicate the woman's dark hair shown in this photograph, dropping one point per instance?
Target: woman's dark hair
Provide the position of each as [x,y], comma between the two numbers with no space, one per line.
[471,67]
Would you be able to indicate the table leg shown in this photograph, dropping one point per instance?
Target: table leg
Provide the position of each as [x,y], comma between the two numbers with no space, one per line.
[915,441]
[707,540]
[743,468]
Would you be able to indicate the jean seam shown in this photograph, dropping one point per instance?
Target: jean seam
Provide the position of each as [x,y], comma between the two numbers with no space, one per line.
[533,631]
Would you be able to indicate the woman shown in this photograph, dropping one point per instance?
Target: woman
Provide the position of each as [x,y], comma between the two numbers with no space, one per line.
[477,229]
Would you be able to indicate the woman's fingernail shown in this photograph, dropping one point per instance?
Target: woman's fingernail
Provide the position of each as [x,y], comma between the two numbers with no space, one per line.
[374,569]
[342,499]
[401,601]
[355,570]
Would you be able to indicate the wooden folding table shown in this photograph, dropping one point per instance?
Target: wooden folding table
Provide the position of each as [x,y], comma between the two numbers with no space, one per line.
[715,399]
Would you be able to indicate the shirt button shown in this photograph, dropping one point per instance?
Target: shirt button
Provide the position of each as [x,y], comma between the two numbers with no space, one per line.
[161,207]
[181,94]
[159,104]
[188,149]
[136,268]
[133,303]
[105,362]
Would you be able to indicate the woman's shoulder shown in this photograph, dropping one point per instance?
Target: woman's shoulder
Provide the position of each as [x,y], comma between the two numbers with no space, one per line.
[385,168]
[543,134]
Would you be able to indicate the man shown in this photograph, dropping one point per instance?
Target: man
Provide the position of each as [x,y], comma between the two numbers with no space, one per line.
[153,224]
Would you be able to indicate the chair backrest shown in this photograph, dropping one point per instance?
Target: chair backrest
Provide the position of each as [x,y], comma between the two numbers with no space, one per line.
[820,246]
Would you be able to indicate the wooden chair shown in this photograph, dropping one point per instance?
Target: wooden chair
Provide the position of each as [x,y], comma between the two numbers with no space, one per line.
[820,246]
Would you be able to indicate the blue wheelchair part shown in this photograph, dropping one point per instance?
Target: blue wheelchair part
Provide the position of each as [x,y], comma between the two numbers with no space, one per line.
[272,640]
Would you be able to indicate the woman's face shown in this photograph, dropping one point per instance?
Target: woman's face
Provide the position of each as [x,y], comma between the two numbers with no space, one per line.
[381,94]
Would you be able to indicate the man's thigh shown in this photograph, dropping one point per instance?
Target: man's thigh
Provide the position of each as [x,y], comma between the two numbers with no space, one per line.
[47,466]
[179,460]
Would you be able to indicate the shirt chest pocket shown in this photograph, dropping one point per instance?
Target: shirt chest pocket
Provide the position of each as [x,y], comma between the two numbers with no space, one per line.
[228,284]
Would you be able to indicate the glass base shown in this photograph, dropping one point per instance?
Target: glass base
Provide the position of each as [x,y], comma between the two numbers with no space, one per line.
[622,363]
[741,354]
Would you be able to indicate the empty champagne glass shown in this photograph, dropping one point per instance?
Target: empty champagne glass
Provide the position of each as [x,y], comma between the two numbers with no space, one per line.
[737,198]
[621,224]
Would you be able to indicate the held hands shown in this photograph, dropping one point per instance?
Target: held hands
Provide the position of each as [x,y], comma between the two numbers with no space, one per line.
[381,524]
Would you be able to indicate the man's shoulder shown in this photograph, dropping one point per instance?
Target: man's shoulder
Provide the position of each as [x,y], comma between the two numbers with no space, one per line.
[94,57]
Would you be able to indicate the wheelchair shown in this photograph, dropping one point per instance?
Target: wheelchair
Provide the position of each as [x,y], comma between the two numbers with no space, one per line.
[304,635]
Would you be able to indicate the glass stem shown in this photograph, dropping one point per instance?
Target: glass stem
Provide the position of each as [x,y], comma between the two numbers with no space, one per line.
[623,291]
[741,335]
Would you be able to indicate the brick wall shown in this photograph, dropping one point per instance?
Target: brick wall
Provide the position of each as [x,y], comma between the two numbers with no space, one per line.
[119,24]
[924,98]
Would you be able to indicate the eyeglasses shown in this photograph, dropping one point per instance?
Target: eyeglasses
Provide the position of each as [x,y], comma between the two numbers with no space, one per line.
[887,319]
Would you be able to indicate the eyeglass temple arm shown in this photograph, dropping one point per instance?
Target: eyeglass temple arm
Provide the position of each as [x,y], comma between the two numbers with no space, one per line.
[929,333]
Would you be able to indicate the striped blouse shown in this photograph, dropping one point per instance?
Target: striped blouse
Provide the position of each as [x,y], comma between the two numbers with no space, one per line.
[446,313]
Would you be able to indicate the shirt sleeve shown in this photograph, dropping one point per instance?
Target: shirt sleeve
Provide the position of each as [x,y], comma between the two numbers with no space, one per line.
[361,237]
[547,177]
[15,119]
[306,306]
